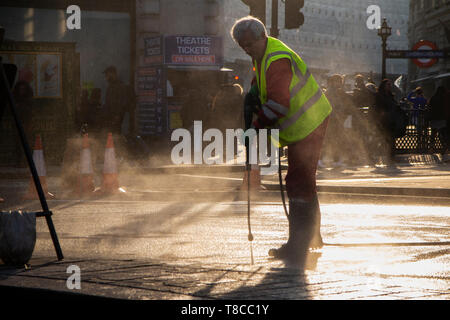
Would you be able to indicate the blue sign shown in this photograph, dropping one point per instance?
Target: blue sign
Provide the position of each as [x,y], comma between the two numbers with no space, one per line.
[193,50]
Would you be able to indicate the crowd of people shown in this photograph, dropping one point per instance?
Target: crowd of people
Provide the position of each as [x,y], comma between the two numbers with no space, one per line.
[98,119]
[363,125]
[362,128]
[366,121]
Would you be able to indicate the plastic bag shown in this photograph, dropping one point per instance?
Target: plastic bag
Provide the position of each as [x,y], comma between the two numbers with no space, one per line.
[17,237]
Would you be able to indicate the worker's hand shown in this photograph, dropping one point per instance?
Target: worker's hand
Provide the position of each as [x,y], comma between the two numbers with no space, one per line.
[249,133]
[252,105]
[252,99]
[248,115]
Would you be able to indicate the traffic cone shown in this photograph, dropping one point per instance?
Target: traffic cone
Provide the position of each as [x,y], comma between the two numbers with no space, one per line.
[39,162]
[110,183]
[85,185]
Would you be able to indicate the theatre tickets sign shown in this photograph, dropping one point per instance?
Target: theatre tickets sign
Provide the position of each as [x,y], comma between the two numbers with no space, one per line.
[184,50]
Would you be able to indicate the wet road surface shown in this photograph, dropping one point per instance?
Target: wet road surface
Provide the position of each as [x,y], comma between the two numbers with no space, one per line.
[372,250]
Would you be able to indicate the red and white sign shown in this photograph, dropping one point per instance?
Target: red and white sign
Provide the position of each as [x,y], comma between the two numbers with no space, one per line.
[424,45]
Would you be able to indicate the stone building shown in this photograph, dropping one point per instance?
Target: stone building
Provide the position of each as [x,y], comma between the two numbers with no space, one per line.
[334,37]
[429,21]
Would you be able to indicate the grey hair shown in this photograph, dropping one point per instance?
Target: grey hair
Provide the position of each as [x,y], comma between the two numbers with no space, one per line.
[250,23]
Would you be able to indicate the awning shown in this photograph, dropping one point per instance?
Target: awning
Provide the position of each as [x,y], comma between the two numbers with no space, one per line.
[443,75]
[422,79]
[433,77]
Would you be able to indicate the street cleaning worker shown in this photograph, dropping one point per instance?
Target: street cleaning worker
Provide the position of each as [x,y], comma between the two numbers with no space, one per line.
[291,101]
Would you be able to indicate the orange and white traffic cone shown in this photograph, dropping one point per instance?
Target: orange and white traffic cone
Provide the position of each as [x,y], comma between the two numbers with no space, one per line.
[39,162]
[110,183]
[85,185]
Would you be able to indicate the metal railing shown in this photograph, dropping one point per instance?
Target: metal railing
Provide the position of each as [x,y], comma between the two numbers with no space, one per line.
[420,136]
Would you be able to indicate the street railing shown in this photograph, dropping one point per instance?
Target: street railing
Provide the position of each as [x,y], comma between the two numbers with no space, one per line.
[420,136]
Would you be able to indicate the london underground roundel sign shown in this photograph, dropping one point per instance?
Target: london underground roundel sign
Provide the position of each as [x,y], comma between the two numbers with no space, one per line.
[424,45]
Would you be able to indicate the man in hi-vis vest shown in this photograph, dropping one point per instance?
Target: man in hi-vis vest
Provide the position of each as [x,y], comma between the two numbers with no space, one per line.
[291,101]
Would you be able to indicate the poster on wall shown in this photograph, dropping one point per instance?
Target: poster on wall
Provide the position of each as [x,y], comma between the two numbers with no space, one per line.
[153,50]
[175,119]
[26,67]
[49,75]
[42,71]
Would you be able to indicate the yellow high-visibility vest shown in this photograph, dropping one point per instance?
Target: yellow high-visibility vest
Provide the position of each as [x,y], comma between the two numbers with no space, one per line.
[308,108]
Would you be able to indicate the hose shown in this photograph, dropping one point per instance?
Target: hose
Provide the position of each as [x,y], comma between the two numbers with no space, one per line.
[250,235]
[280,149]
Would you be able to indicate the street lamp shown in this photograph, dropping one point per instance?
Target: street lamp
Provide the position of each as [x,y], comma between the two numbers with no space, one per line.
[384,32]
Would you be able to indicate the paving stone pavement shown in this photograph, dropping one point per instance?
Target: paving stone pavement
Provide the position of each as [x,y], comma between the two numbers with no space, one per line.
[152,280]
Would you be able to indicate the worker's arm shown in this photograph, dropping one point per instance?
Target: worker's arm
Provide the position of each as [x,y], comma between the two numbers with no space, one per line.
[278,80]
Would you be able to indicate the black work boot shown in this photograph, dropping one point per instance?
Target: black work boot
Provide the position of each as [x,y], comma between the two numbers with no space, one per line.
[301,230]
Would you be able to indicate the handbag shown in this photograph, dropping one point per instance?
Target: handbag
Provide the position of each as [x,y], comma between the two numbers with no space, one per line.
[17,237]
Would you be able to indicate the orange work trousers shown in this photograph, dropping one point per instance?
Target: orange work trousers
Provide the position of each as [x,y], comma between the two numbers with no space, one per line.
[303,156]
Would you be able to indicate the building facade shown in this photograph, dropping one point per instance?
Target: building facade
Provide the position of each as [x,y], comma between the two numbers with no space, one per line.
[105,36]
[57,62]
[429,21]
[334,37]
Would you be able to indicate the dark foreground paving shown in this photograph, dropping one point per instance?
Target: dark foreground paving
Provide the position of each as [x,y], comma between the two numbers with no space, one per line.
[129,279]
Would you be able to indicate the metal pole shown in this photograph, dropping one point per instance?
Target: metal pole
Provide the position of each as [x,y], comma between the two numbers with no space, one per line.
[274,31]
[383,62]
[31,164]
